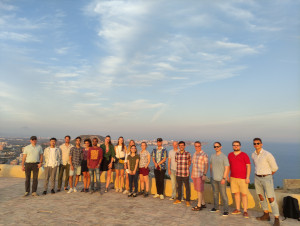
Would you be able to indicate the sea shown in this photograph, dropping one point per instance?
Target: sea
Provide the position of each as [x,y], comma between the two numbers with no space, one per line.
[287,156]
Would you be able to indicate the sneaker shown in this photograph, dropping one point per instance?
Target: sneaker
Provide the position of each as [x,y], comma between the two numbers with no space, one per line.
[34,194]
[87,190]
[106,190]
[146,194]
[236,212]
[82,190]
[187,203]
[245,214]
[66,189]
[161,197]
[134,195]
[75,190]
[125,192]
[120,190]
[141,192]
[92,191]
[130,194]
[203,205]
[26,194]
[117,189]
[171,198]
[58,190]
[52,191]
[182,199]
[156,196]
[213,210]
[70,190]
[225,214]
[176,201]
[44,192]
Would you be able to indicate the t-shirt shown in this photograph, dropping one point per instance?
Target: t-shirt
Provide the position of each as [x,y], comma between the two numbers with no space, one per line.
[33,153]
[132,161]
[172,154]
[52,159]
[238,164]
[65,151]
[95,154]
[144,158]
[218,163]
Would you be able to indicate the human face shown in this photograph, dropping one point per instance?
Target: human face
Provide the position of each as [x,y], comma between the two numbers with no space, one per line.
[217,147]
[236,146]
[107,139]
[52,143]
[257,144]
[159,143]
[133,149]
[87,144]
[181,147]
[78,141]
[95,142]
[143,146]
[175,145]
[67,140]
[121,140]
[197,147]
[131,143]
[33,142]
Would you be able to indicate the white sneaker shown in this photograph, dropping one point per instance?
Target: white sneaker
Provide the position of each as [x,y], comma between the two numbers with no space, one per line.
[75,190]
[161,197]
[117,189]
[125,192]
[70,190]
[171,198]
[120,190]
[156,196]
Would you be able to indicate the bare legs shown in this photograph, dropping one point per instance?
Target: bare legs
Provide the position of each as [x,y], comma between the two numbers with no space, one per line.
[237,197]
[86,180]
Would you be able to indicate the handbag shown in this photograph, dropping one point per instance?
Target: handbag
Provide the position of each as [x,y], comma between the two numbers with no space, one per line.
[121,160]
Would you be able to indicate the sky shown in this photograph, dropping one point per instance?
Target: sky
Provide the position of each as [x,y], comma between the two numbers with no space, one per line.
[218,70]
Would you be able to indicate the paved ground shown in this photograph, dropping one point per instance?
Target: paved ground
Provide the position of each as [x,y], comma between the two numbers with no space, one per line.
[107,209]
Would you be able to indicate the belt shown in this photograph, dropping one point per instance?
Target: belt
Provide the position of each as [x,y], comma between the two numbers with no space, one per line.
[262,175]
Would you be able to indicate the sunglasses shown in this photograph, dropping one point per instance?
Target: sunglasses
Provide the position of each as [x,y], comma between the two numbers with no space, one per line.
[256,143]
[236,145]
[217,146]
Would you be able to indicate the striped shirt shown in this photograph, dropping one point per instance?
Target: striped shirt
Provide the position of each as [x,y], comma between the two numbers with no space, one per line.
[199,160]
[264,162]
[183,163]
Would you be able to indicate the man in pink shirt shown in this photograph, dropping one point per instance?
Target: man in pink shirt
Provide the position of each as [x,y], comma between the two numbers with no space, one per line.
[240,168]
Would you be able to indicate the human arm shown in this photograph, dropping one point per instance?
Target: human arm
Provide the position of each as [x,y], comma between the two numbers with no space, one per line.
[225,175]
[248,173]
[136,165]
[41,161]
[169,166]
[23,161]
[148,161]
[205,170]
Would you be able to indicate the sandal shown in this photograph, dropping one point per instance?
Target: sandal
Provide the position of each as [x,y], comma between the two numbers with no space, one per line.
[197,208]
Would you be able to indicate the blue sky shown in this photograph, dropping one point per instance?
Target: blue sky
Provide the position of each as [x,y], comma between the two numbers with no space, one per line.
[219,70]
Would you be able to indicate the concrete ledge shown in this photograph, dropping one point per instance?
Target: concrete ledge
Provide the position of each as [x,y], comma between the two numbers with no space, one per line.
[253,201]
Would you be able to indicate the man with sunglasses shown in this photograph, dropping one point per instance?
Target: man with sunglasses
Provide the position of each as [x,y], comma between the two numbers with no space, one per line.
[219,169]
[240,168]
[265,167]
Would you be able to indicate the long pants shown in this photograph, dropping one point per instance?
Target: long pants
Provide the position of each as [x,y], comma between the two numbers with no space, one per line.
[61,173]
[264,186]
[133,179]
[97,172]
[219,188]
[50,173]
[174,183]
[186,182]
[160,180]
[35,171]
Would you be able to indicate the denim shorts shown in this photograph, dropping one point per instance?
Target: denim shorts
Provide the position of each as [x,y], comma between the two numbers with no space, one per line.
[77,171]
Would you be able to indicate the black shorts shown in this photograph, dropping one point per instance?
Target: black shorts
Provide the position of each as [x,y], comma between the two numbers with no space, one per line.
[104,164]
[84,167]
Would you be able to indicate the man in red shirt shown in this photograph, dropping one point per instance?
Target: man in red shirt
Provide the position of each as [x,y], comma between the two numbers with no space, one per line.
[94,159]
[240,168]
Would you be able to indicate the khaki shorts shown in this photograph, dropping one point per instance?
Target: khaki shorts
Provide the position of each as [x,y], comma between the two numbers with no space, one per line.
[238,185]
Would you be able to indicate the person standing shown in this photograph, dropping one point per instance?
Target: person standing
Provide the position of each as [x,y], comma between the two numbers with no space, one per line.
[159,158]
[240,168]
[32,161]
[52,157]
[120,150]
[133,164]
[144,169]
[108,158]
[265,167]
[219,169]
[131,143]
[183,160]
[84,167]
[65,164]
[172,166]
[76,156]
[94,159]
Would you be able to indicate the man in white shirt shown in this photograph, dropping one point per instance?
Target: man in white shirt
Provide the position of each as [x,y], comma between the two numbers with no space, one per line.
[52,157]
[172,165]
[265,167]
[65,164]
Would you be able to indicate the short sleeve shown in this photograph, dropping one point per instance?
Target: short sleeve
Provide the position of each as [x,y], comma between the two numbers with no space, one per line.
[41,150]
[247,159]
[226,162]
[153,153]
[166,154]
[205,158]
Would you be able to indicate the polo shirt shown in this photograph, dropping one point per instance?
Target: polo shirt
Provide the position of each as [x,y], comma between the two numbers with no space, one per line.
[33,153]
[238,168]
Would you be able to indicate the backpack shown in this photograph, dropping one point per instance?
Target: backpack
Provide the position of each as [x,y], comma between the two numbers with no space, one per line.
[291,208]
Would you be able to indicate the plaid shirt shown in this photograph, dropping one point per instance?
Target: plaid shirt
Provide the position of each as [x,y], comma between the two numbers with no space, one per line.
[199,160]
[77,156]
[183,160]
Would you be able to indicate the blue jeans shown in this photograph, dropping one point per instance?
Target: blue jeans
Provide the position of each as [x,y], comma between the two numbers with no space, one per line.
[219,188]
[97,171]
[264,186]
[173,181]
[133,179]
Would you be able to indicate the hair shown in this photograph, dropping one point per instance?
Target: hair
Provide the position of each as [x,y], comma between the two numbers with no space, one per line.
[130,142]
[123,144]
[109,143]
[78,138]
[197,142]
[181,142]
[88,140]
[144,142]
[217,142]
[95,138]
[236,141]
[257,139]
[68,136]
[131,147]
[53,138]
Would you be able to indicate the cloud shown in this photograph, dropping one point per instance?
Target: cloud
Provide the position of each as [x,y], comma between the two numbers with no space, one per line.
[21,37]
[62,51]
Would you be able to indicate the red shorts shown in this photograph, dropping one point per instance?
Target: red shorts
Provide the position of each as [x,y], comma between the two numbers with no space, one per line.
[144,171]
[198,184]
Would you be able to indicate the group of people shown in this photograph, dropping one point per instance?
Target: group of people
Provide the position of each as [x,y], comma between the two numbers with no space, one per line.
[131,165]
